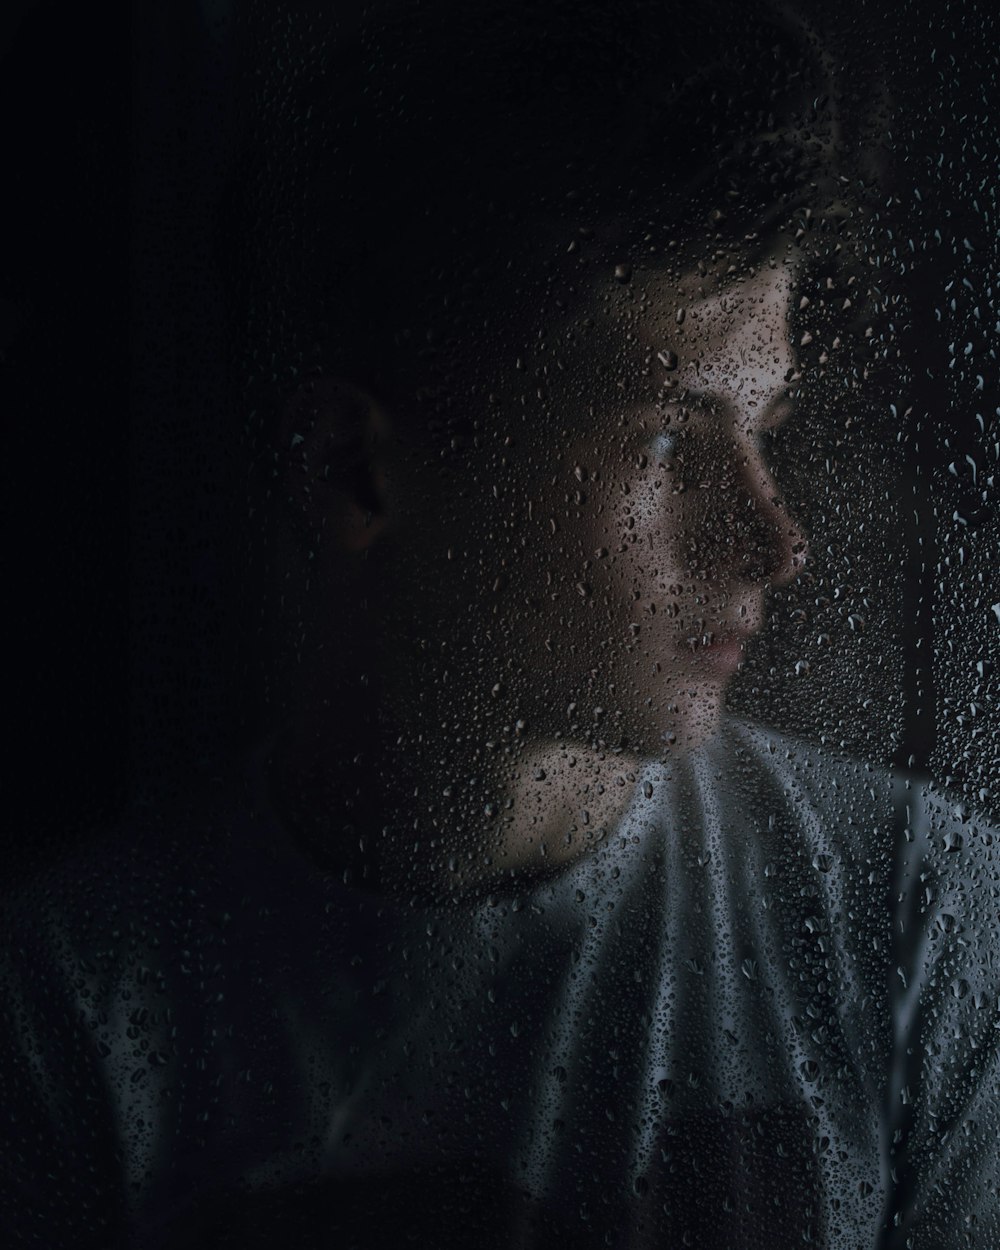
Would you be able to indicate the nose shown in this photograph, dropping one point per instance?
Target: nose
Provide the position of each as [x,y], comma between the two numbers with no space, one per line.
[770,545]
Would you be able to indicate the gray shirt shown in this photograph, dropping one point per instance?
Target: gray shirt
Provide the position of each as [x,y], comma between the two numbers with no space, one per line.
[763,1011]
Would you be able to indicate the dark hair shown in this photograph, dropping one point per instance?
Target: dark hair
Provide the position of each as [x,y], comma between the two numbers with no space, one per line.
[395,167]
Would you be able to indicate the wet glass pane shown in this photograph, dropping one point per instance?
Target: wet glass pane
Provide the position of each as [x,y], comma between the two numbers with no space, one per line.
[562,617]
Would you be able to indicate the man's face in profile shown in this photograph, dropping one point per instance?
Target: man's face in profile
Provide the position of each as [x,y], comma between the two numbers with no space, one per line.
[693,530]
[613,526]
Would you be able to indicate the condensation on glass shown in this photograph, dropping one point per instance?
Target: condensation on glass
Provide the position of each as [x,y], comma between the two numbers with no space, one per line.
[612,862]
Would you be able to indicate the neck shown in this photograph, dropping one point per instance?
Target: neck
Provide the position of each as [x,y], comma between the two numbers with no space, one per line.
[407,813]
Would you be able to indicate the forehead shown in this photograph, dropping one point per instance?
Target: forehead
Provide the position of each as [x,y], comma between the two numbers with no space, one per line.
[733,345]
[570,349]
[719,340]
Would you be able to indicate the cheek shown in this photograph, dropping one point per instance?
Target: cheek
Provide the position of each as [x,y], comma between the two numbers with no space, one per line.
[671,551]
[651,515]
[652,522]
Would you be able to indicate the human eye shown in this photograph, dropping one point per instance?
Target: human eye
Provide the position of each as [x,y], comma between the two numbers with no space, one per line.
[664,447]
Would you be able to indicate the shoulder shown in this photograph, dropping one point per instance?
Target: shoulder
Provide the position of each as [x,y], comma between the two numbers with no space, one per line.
[878,822]
[561,801]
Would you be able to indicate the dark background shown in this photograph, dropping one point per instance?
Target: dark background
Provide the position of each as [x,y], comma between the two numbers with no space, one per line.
[114,388]
[66,369]
[120,126]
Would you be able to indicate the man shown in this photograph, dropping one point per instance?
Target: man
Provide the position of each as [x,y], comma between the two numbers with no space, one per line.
[516,937]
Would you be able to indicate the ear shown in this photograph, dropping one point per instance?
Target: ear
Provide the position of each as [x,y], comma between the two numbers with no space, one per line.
[331,452]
